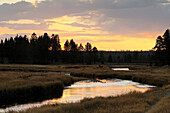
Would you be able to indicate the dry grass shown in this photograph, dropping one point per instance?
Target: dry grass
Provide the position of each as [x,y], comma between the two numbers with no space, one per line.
[13,79]
[162,106]
[144,74]
[25,83]
[130,103]
[155,101]
[18,76]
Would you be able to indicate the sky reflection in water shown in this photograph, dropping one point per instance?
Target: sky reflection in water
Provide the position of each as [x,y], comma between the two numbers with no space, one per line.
[88,89]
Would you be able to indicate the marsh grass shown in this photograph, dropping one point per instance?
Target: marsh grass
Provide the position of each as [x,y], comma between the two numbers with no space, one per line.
[25,86]
[162,106]
[17,76]
[143,74]
[134,102]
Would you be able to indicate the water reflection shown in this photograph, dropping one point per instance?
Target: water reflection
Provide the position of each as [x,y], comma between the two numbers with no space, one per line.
[88,89]
[106,88]
[120,69]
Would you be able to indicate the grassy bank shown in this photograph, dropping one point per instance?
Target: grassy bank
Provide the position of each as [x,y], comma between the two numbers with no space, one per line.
[40,75]
[158,76]
[155,101]
[30,94]
[20,85]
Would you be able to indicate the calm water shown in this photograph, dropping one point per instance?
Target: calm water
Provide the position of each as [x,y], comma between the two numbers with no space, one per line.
[88,89]
[120,69]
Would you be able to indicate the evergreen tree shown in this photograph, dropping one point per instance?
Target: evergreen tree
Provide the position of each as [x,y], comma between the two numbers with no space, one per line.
[95,54]
[55,41]
[1,51]
[73,45]
[162,48]
[88,47]
[95,49]
[159,44]
[21,47]
[167,46]
[56,47]
[43,48]
[34,49]
[81,48]
[11,51]
[67,46]
[34,36]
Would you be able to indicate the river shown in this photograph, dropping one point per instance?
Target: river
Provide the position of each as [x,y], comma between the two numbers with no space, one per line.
[87,89]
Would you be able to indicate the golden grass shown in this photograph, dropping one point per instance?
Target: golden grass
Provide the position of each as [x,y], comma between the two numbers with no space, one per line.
[162,106]
[155,101]
[26,83]
[18,76]
[158,76]
[144,74]
[133,102]
[25,79]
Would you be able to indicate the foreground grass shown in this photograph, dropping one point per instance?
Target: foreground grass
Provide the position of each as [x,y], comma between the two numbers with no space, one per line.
[156,101]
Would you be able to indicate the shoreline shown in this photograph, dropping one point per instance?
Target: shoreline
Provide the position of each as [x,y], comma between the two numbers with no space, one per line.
[158,76]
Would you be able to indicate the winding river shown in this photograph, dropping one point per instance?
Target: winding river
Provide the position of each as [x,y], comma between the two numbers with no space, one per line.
[87,89]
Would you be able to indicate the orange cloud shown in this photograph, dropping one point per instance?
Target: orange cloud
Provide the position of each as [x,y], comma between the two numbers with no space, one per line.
[21,21]
[34,4]
[64,26]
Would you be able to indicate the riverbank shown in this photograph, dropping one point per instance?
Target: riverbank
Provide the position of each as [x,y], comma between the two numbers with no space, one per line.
[19,85]
[154,101]
[158,76]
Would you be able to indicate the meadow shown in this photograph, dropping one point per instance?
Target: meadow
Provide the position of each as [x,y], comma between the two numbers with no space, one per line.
[43,77]
[22,84]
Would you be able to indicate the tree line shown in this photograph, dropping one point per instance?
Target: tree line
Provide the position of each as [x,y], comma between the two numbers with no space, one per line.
[45,49]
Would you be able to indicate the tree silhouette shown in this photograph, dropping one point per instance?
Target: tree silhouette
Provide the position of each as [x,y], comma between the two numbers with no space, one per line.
[73,45]
[11,50]
[167,46]
[95,49]
[55,41]
[80,48]
[34,48]
[56,47]
[67,46]
[45,49]
[33,36]
[162,48]
[88,46]
[159,44]
[21,47]
[1,51]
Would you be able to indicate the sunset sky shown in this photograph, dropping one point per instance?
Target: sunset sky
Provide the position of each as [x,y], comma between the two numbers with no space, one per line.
[107,24]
